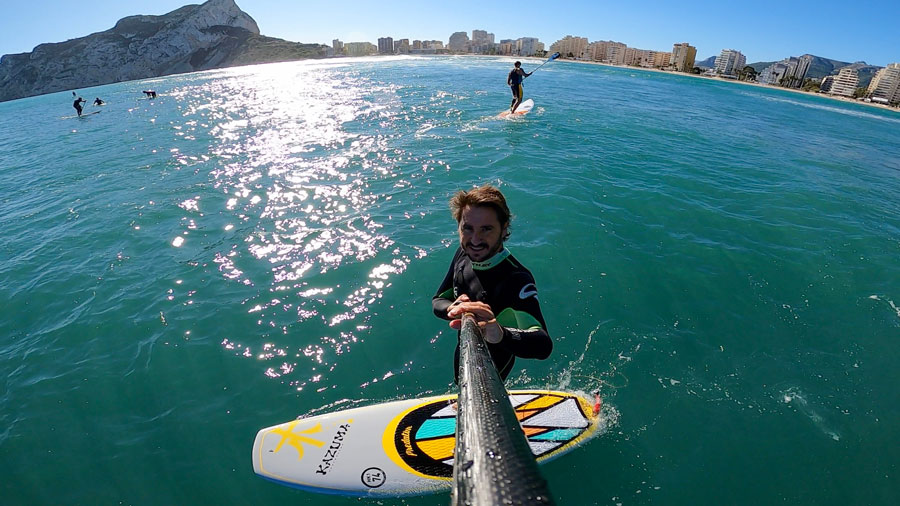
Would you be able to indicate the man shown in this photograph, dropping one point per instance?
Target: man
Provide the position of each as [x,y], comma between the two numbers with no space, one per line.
[514,80]
[97,101]
[77,103]
[486,280]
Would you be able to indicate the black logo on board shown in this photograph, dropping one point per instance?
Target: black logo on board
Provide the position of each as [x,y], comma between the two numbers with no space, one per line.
[373,477]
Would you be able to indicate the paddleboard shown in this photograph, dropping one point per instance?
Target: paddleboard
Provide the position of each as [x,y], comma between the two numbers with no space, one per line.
[403,448]
[523,109]
[82,115]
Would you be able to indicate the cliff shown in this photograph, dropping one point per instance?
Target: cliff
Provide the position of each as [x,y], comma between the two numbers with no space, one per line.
[215,34]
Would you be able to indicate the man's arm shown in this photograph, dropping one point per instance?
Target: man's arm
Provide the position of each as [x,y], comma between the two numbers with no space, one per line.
[524,331]
[444,296]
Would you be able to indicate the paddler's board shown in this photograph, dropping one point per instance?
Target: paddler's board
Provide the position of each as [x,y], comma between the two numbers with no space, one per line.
[82,115]
[403,448]
[524,108]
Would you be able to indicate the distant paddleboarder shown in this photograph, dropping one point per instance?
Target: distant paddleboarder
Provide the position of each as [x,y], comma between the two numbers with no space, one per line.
[77,104]
[514,80]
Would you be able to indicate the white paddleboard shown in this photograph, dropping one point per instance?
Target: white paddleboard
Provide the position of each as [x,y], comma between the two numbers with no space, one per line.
[524,108]
[82,115]
[403,448]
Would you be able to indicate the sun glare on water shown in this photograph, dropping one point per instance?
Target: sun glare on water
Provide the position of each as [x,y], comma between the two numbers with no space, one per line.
[297,155]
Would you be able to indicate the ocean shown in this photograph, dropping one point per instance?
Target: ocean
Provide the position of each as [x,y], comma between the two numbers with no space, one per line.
[263,242]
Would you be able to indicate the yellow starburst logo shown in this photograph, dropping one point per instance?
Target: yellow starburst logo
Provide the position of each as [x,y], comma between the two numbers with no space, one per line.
[296,439]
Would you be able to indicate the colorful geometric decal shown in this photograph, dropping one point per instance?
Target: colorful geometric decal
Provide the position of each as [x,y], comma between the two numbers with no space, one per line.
[425,438]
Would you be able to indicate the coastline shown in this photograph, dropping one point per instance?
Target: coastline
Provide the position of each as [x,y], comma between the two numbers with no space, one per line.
[845,100]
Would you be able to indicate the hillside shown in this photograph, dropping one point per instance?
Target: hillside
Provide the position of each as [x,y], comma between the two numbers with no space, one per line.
[215,34]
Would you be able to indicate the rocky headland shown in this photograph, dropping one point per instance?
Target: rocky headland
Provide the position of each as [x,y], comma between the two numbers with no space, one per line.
[215,34]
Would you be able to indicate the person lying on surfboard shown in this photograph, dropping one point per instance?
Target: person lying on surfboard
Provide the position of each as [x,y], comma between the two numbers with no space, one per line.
[486,280]
[514,80]
[97,101]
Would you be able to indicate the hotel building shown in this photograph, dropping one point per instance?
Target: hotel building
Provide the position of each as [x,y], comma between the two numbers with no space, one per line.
[789,72]
[885,86]
[459,42]
[570,47]
[386,45]
[683,56]
[359,48]
[845,82]
[730,62]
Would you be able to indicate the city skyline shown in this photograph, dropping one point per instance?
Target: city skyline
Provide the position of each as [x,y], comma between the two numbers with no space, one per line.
[765,31]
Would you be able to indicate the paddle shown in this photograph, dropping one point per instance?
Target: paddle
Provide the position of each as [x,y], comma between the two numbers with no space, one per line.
[552,57]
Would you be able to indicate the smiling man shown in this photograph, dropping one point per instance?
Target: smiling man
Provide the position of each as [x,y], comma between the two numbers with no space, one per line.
[486,280]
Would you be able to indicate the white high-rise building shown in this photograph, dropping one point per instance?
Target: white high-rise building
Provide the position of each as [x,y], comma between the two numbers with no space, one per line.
[845,82]
[789,72]
[730,62]
[885,86]
[528,46]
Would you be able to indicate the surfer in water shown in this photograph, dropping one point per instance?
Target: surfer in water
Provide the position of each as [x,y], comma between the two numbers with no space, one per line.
[150,93]
[77,103]
[97,101]
[486,280]
[514,80]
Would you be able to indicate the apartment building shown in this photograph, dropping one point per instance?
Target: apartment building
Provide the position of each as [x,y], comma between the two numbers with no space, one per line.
[386,45]
[459,42]
[789,72]
[683,56]
[885,86]
[845,82]
[570,47]
[730,62]
[359,48]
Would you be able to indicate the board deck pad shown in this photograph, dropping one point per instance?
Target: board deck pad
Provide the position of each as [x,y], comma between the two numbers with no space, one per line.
[524,108]
[405,447]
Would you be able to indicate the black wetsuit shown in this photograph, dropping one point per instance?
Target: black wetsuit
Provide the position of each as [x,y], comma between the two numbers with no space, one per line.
[515,79]
[508,287]
[77,105]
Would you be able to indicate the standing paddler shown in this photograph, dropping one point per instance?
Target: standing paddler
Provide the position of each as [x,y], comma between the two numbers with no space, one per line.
[514,80]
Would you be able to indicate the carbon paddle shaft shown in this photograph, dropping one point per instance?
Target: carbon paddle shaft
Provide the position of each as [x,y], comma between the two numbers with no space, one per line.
[493,463]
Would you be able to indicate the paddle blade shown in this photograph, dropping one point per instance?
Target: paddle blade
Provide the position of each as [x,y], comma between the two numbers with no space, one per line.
[554,56]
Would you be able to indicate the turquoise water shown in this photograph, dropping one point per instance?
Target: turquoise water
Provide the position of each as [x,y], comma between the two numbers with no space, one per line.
[263,242]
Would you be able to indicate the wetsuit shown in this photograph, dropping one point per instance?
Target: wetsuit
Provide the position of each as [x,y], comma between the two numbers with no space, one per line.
[515,79]
[77,105]
[508,287]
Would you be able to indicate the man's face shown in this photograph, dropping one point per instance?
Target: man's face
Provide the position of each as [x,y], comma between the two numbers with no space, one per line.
[480,233]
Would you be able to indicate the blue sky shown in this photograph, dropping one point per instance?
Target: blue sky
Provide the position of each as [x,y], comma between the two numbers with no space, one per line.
[764,30]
